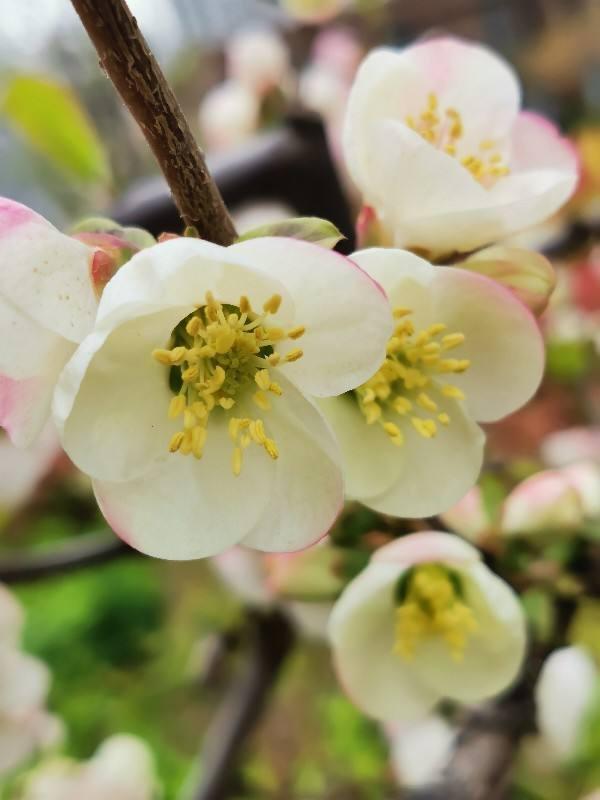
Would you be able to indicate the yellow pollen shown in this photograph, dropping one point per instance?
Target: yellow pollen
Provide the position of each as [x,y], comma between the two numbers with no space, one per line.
[432,607]
[407,386]
[445,129]
[218,358]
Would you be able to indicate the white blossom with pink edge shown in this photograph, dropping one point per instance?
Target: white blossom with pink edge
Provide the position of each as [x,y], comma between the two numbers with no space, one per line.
[47,306]
[396,655]
[26,727]
[469,517]
[188,405]
[121,769]
[553,500]
[571,444]
[464,349]
[435,141]
[259,59]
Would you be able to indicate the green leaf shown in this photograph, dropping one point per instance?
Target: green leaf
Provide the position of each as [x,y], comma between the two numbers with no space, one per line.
[53,121]
[309,229]
[540,612]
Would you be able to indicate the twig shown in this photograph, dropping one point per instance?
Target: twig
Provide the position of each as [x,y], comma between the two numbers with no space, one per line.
[80,552]
[271,640]
[135,73]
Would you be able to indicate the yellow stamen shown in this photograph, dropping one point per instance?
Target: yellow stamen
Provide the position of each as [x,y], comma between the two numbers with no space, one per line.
[294,354]
[297,332]
[176,406]
[272,304]
[432,607]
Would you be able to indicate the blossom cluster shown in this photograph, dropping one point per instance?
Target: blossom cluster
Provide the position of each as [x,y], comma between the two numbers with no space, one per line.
[235,396]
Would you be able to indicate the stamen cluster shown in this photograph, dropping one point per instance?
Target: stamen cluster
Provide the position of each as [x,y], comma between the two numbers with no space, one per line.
[432,606]
[444,129]
[219,354]
[413,361]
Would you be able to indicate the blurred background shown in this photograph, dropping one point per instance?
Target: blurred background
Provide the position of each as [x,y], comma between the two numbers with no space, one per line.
[130,643]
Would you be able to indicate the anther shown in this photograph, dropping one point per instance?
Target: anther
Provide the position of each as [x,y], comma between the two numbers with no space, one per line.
[271,306]
[294,354]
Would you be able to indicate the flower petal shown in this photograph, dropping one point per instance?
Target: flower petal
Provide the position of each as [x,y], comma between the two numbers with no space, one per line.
[25,404]
[44,273]
[494,652]
[307,492]
[25,681]
[361,631]
[426,547]
[177,274]
[503,342]
[419,478]
[184,508]
[346,314]
[117,433]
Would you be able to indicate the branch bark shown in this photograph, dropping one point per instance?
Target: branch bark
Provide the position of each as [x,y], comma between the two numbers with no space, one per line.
[135,73]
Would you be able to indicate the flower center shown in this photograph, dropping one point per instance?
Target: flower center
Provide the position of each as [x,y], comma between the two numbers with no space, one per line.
[432,606]
[397,390]
[219,354]
[444,129]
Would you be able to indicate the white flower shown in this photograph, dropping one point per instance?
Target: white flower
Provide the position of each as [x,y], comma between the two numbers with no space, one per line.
[420,750]
[564,690]
[47,306]
[572,444]
[200,360]
[425,620]
[25,725]
[228,115]
[464,349]
[121,769]
[258,59]
[435,142]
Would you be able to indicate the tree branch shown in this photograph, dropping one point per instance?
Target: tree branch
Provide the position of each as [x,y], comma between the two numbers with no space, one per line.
[271,640]
[79,552]
[135,73]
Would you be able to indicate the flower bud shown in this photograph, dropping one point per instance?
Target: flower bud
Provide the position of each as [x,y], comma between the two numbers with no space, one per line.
[468,517]
[547,501]
[527,274]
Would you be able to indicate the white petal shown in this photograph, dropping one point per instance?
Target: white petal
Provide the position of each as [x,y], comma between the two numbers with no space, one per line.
[111,403]
[503,342]
[361,631]
[25,404]
[537,144]
[24,682]
[427,546]
[494,652]
[420,478]
[21,470]
[177,274]
[420,750]
[27,346]
[307,492]
[346,314]
[563,694]
[44,273]
[184,508]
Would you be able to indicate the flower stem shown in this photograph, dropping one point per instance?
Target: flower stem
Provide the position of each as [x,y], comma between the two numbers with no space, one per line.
[136,75]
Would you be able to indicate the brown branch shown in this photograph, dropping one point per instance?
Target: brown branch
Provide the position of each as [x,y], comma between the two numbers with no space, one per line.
[271,640]
[135,73]
[82,551]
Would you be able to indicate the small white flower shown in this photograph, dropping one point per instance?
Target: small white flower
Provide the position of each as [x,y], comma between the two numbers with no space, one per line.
[570,445]
[187,404]
[464,349]
[121,769]
[564,690]
[258,59]
[228,115]
[22,469]
[425,620]
[47,306]
[25,725]
[435,142]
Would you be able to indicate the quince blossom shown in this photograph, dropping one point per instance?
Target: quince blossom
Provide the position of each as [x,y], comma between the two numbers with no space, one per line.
[25,725]
[121,769]
[47,306]
[463,349]
[553,500]
[435,141]
[425,620]
[187,403]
